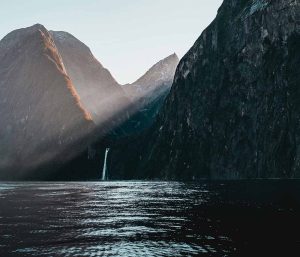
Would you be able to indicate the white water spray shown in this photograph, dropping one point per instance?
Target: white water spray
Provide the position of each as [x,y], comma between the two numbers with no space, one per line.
[104,171]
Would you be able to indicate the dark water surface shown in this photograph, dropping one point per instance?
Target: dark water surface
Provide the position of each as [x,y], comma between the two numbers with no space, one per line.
[254,218]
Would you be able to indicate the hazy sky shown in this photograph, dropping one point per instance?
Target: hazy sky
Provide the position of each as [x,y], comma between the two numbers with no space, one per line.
[126,36]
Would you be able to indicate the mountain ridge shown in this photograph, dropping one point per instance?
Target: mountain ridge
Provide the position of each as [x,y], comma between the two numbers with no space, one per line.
[94,83]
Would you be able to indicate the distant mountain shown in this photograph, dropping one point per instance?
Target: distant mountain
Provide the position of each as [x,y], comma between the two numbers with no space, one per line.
[99,92]
[158,78]
[149,92]
[233,111]
[42,118]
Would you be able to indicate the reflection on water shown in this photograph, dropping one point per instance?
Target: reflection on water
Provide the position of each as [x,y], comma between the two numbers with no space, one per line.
[148,218]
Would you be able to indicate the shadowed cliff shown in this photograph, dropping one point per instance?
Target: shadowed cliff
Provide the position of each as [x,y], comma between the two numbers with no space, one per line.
[233,111]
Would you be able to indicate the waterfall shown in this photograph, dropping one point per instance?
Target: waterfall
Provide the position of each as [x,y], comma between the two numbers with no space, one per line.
[104,171]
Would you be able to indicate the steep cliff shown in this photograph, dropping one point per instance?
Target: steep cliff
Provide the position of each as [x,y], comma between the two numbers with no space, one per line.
[234,110]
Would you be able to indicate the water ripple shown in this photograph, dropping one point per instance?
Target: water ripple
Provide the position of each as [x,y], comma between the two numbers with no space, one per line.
[127,219]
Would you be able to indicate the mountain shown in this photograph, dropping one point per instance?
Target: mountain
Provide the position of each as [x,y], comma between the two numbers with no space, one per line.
[158,79]
[42,119]
[60,107]
[233,111]
[99,92]
[149,92]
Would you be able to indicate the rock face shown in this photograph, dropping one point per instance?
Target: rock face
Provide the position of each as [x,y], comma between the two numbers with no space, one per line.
[99,92]
[149,92]
[41,115]
[234,110]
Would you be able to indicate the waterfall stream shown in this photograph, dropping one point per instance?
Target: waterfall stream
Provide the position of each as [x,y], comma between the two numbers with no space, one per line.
[104,171]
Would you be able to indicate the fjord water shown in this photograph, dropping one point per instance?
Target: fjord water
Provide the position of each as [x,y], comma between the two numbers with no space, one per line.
[149,218]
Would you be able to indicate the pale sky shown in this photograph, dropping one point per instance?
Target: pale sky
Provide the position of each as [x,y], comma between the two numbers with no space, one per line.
[126,36]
